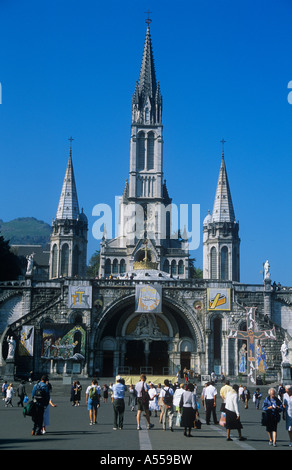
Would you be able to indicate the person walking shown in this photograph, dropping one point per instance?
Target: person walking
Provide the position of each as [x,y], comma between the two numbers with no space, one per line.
[272,406]
[78,391]
[93,401]
[9,395]
[153,402]
[288,411]
[210,401]
[46,417]
[105,393]
[245,397]
[257,398]
[232,412]
[188,409]
[132,397]
[167,405]
[4,390]
[143,402]
[223,392]
[21,393]
[119,389]
[73,393]
[41,396]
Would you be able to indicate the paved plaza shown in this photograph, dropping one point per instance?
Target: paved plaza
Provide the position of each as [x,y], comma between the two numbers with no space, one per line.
[69,429]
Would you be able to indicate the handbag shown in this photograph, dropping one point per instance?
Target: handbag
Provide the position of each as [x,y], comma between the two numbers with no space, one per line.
[222,420]
[178,419]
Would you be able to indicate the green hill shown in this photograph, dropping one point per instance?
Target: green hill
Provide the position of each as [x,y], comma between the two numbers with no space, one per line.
[26,231]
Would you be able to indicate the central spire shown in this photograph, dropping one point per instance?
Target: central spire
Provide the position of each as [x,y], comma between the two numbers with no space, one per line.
[147,100]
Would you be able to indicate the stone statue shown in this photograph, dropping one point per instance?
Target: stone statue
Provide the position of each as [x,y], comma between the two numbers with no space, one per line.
[11,348]
[29,264]
[284,352]
[267,273]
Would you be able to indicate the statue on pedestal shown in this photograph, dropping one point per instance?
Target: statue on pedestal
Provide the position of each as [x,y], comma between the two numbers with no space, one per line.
[267,273]
[284,352]
[29,264]
[11,347]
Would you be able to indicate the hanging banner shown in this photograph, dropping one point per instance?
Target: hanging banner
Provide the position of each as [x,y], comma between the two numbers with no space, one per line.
[25,345]
[218,299]
[80,297]
[148,298]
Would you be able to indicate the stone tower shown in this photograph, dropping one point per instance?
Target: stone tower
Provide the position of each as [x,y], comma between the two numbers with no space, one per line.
[68,249]
[221,241]
[145,210]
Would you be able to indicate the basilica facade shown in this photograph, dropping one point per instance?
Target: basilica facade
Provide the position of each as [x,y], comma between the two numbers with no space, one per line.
[143,312]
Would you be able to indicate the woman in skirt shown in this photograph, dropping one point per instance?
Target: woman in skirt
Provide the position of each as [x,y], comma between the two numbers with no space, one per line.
[232,413]
[188,409]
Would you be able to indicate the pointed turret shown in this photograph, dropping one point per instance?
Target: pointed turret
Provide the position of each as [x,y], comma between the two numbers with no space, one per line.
[220,234]
[69,238]
[68,207]
[223,207]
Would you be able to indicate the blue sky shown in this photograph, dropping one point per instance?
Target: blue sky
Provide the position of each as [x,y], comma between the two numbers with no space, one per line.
[70,68]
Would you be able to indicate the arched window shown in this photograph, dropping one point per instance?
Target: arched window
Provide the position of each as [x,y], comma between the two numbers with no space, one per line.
[55,261]
[213,263]
[166,266]
[65,260]
[181,267]
[140,151]
[115,266]
[150,151]
[173,267]
[122,266]
[224,263]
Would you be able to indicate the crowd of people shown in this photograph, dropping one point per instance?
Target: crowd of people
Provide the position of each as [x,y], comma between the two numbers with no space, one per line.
[175,404]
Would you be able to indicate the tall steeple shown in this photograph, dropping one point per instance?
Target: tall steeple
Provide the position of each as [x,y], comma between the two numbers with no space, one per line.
[69,238]
[223,210]
[145,211]
[68,207]
[221,241]
[147,99]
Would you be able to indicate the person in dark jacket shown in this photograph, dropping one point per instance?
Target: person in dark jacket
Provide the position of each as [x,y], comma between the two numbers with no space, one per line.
[272,406]
[41,397]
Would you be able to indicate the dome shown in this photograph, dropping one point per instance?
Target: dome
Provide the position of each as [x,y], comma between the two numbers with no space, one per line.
[208,219]
[82,217]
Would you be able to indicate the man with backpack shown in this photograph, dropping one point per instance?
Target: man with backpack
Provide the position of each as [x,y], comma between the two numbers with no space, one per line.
[143,402]
[41,397]
[166,395]
[93,400]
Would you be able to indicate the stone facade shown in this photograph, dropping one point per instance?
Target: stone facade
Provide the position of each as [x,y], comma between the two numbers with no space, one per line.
[185,334]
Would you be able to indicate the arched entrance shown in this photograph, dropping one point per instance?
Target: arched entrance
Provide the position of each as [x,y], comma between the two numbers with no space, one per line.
[163,342]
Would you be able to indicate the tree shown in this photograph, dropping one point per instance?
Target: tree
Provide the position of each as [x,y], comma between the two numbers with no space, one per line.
[93,266]
[195,273]
[9,263]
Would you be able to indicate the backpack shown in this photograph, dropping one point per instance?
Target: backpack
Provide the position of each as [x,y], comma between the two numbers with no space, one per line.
[93,393]
[168,398]
[40,395]
[144,395]
[29,409]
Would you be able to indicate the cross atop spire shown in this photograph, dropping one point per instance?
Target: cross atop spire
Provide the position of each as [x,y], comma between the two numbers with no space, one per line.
[148,19]
[223,142]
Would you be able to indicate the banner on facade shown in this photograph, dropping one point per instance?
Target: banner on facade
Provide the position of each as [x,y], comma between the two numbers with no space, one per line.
[63,341]
[218,299]
[80,297]
[148,298]
[25,345]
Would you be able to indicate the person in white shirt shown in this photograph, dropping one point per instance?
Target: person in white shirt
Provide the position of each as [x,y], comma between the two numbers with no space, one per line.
[232,413]
[210,403]
[288,411]
[143,402]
